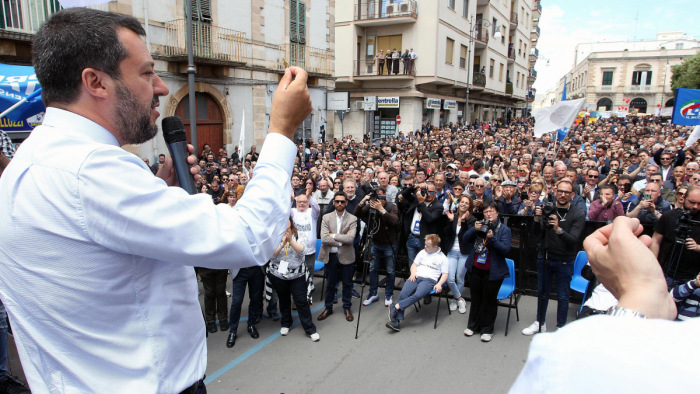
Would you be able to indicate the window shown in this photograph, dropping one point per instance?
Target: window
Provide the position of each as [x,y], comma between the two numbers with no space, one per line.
[465,9]
[679,45]
[492,65]
[449,50]
[524,50]
[517,79]
[451,4]
[500,73]
[462,56]
[641,77]
[503,34]
[494,26]
[297,32]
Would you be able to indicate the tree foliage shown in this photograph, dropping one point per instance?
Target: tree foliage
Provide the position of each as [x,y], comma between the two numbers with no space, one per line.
[686,74]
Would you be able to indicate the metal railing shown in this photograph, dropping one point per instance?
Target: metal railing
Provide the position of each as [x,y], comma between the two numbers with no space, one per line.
[539,7]
[536,30]
[226,45]
[535,52]
[533,73]
[209,41]
[482,34]
[514,18]
[26,16]
[366,68]
[380,9]
[509,88]
[511,53]
[479,79]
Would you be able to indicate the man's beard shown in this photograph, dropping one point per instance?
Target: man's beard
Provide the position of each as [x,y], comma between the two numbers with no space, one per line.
[133,119]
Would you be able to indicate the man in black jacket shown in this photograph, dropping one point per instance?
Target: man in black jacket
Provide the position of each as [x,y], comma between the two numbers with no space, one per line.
[383,230]
[421,215]
[558,248]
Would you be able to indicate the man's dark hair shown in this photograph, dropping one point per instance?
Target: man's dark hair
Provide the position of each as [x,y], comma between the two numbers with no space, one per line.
[489,204]
[73,40]
[342,194]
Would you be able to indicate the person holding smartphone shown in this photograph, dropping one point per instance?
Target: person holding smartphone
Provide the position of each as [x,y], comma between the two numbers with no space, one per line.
[650,208]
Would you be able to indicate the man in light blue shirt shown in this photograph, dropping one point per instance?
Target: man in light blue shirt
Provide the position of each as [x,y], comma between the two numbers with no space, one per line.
[103,295]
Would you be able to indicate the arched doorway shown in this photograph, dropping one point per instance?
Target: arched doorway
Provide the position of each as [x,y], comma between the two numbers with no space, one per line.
[669,103]
[605,103]
[640,104]
[210,123]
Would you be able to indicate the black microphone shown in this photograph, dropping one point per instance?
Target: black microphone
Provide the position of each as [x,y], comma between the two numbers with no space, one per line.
[176,139]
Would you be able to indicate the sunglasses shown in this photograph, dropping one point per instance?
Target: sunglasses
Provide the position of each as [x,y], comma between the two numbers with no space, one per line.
[480,186]
[457,188]
[339,201]
[593,176]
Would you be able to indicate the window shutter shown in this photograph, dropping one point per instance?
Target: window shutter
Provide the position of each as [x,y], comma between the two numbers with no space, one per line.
[302,22]
[293,25]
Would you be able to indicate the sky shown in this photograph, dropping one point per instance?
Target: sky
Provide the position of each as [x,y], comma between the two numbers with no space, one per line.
[565,23]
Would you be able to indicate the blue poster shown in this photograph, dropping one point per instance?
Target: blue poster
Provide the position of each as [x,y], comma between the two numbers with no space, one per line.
[686,109]
[17,83]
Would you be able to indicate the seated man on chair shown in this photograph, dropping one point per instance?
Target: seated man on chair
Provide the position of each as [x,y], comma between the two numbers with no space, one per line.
[428,272]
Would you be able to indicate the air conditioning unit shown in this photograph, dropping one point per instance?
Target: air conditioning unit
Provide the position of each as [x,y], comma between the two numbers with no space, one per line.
[390,9]
[404,7]
[359,106]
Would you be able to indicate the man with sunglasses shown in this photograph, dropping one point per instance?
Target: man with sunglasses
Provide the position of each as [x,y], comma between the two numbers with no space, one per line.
[560,234]
[338,230]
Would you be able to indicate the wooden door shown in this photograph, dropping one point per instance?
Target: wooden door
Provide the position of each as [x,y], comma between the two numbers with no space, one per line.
[210,123]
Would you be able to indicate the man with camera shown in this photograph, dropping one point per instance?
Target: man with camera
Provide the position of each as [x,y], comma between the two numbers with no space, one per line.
[560,226]
[679,225]
[381,217]
[651,206]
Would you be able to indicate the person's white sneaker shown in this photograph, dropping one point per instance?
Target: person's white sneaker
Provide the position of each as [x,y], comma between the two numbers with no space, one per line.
[453,305]
[486,337]
[462,306]
[228,294]
[388,301]
[284,331]
[315,337]
[468,332]
[370,300]
[534,328]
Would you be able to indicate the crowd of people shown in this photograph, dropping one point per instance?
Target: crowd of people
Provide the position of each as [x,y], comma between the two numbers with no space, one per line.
[435,196]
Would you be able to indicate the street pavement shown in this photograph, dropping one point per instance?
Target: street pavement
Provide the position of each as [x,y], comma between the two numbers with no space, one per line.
[417,359]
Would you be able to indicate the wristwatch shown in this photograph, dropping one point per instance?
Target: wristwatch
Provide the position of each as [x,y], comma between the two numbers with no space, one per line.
[619,311]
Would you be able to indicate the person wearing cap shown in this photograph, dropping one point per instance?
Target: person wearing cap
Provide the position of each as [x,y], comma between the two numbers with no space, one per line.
[508,202]
[450,175]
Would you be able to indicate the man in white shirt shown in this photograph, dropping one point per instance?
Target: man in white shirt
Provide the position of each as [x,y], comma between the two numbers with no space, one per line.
[428,272]
[305,216]
[104,296]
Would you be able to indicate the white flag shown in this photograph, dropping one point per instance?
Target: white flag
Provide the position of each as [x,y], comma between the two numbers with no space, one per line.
[81,3]
[241,139]
[693,136]
[559,116]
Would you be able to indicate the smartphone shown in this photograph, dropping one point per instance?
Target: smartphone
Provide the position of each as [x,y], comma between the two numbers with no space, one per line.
[627,187]
[647,196]
[523,196]
[618,171]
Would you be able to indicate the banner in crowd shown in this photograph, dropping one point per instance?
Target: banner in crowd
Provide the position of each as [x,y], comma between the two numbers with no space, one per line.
[559,116]
[20,98]
[693,136]
[686,108]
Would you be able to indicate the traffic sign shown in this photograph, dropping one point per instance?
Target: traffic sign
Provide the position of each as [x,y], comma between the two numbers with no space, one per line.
[398,119]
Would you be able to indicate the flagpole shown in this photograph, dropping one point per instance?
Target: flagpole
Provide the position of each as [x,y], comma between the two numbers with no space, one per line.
[20,103]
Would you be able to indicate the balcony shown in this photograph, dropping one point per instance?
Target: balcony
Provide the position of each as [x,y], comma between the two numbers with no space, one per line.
[383,12]
[534,54]
[535,32]
[368,70]
[639,89]
[219,46]
[481,38]
[20,19]
[509,88]
[478,81]
[513,20]
[532,76]
[511,55]
[538,8]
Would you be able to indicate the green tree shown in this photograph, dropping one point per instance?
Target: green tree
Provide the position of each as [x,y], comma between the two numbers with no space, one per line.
[686,74]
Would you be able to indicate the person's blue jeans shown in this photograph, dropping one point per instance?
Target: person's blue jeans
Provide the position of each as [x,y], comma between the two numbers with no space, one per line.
[3,341]
[455,280]
[336,272]
[254,279]
[413,246]
[562,270]
[386,254]
[412,292]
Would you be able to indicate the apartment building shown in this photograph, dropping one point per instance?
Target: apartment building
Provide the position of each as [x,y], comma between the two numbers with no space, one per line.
[240,51]
[630,76]
[476,46]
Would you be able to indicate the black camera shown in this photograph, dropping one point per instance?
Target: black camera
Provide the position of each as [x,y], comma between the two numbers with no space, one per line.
[373,195]
[626,188]
[486,225]
[548,209]
[685,225]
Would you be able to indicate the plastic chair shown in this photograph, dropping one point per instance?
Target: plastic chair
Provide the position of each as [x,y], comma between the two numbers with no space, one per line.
[507,290]
[578,282]
[318,266]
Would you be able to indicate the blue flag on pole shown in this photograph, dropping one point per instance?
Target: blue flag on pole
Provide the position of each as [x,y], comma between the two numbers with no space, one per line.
[19,83]
[686,107]
[563,93]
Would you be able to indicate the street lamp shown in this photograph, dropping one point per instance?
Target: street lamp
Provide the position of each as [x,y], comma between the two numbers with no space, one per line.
[473,28]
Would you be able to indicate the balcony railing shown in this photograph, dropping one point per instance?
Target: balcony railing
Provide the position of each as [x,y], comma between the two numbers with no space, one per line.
[208,42]
[217,44]
[381,9]
[538,7]
[513,20]
[536,30]
[482,35]
[368,68]
[533,73]
[511,54]
[509,88]
[479,79]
